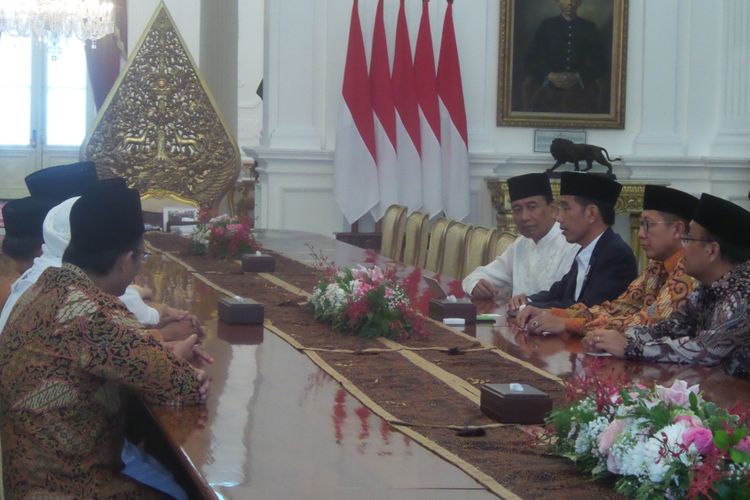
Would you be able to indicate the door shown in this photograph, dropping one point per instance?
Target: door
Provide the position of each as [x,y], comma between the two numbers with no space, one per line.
[45,105]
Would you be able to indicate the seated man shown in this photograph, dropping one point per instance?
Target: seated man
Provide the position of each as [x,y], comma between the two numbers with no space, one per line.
[713,327]
[23,222]
[69,350]
[539,257]
[23,237]
[169,324]
[661,289]
[605,265]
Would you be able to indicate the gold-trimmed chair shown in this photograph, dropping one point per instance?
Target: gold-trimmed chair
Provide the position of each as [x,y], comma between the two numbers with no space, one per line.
[499,242]
[436,244]
[392,228]
[477,248]
[415,239]
[455,247]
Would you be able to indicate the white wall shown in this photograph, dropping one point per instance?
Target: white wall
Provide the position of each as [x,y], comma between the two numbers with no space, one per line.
[687,102]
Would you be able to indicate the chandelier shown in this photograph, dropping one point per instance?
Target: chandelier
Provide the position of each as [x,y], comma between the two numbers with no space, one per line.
[52,20]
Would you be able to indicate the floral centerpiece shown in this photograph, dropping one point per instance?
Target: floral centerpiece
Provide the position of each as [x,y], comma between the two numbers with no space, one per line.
[365,301]
[665,442]
[222,236]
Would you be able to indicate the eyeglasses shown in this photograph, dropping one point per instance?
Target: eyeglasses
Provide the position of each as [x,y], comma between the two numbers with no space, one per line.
[687,239]
[143,253]
[647,224]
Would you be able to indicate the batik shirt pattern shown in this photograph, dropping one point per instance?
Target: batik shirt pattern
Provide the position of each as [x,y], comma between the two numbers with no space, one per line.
[661,289]
[69,355]
[713,328]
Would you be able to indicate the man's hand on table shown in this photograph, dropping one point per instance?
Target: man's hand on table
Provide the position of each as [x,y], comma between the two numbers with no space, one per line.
[610,341]
[543,321]
[515,303]
[190,349]
[527,313]
[484,290]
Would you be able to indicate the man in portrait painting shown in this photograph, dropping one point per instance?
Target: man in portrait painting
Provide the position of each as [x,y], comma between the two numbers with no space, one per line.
[565,66]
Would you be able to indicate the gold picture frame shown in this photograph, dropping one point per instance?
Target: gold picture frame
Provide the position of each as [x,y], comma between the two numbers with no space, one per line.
[560,67]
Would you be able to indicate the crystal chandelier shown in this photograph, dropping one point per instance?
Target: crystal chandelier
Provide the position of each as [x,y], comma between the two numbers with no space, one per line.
[52,20]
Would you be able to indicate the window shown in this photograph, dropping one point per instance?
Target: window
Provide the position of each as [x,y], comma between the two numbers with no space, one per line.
[43,93]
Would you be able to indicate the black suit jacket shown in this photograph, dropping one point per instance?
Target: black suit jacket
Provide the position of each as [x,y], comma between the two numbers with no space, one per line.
[611,269]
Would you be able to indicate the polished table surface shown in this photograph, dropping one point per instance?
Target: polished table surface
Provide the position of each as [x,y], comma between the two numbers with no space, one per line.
[276,426]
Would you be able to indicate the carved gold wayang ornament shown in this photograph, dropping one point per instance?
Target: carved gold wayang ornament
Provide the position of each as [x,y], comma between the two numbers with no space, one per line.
[160,128]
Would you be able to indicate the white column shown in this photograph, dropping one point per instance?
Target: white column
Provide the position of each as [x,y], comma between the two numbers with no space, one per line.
[733,136]
[218,61]
[294,72]
[664,84]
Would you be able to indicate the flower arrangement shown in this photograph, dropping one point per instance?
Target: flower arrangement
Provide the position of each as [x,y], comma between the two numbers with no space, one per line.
[365,301]
[665,442]
[222,236]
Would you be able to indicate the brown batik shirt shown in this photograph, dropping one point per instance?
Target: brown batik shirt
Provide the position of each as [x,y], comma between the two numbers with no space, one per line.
[712,328]
[67,355]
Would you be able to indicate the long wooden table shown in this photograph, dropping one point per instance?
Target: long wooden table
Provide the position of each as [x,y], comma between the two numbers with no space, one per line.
[276,426]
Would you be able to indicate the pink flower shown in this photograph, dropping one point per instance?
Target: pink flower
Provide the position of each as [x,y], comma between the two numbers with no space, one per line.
[608,437]
[744,444]
[690,420]
[678,394]
[701,437]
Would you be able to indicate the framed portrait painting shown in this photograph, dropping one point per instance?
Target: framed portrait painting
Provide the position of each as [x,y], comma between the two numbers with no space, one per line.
[562,63]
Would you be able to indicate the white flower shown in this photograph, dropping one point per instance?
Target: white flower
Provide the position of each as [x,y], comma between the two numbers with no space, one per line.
[588,436]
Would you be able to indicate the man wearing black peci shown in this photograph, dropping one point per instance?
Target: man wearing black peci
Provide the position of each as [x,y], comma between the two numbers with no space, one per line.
[604,266]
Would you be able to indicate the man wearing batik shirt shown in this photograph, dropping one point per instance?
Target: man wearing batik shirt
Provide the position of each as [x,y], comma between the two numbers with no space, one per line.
[539,257]
[661,289]
[69,353]
[714,325]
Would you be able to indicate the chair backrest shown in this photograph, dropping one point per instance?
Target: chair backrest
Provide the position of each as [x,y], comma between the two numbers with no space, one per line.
[455,247]
[477,248]
[415,240]
[436,244]
[499,242]
[392,229]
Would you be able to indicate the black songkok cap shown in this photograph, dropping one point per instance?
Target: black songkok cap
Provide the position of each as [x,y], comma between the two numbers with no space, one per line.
[523,186]
[724,220]
[62,182]
[671,201]
[596,187]
[106,217]
[23,220]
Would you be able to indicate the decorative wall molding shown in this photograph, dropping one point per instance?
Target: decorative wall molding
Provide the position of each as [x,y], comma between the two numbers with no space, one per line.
[734,119]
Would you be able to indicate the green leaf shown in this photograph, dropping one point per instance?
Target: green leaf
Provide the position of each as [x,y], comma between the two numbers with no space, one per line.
[739,456]
[721,439]
[693,402]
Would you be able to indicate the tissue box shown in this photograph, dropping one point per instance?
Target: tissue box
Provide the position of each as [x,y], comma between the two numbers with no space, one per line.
[529,406]
[240,311]
[443,308]
[240,334]
[253,263]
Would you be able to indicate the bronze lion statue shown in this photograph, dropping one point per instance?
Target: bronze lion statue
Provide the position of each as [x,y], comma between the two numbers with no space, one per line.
[563,151]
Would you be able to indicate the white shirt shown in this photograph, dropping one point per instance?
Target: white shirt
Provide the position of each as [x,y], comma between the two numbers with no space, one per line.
[527,267]
[56,233]
[582,261]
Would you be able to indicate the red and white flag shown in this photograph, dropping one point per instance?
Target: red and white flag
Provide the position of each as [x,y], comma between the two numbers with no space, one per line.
[453,133]
[407,118]
[429,117]
[354,166]
[385,117]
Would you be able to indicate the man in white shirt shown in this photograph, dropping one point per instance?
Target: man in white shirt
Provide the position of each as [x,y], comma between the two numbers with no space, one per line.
[539,257]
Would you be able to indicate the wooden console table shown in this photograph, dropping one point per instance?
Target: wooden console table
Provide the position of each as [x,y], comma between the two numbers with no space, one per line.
[630,202]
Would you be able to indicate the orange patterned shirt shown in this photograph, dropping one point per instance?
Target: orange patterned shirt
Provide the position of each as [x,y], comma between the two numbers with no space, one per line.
[661,288]
[69,355]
